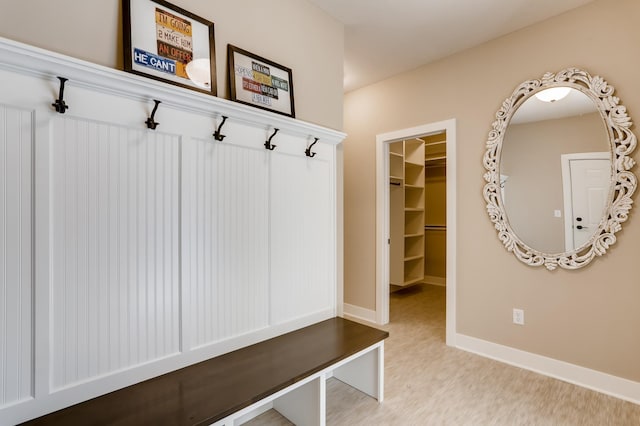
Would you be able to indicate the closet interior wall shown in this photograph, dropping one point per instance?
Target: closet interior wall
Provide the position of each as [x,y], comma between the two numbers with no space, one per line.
[435,225]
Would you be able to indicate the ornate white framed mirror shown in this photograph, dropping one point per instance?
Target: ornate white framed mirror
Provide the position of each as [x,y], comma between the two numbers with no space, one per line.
[558,169]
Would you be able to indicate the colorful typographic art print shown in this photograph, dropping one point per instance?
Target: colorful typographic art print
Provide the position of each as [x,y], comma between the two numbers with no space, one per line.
[161,40]
[259,82]
[174,41]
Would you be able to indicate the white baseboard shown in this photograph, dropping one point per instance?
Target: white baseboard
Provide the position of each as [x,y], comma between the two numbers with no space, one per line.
[431,279]
[358,313]
[591,379]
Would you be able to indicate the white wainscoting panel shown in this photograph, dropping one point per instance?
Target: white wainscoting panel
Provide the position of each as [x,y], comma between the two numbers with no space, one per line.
[302,236]
[114,248]
[226,229]
[126,252]
[16,259]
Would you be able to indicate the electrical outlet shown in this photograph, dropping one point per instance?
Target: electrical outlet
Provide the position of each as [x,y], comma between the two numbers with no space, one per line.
[518,316]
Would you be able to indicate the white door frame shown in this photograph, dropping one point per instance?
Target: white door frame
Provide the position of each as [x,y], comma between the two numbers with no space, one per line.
[382,218]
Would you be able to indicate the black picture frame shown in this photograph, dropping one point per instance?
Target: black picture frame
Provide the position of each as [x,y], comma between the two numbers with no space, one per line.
[167,43]
[259,82]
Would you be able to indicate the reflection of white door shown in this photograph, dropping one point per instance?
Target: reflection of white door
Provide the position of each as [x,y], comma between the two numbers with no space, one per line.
[586,179]
[503,184]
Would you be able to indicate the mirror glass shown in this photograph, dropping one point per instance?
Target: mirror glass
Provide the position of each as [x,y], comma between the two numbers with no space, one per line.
[558,169]
[555,169]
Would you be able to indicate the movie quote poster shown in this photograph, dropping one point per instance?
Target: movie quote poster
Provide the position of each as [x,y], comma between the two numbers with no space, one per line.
[258,82]
[166,42]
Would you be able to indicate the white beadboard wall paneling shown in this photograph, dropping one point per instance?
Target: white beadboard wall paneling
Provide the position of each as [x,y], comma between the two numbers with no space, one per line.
[225,216]
[115,261]
[118,220]
[303,246]
[42,252]
[16,255]
[44,64]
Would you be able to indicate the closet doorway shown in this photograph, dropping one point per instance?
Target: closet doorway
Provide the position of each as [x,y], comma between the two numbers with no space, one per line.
[414,230]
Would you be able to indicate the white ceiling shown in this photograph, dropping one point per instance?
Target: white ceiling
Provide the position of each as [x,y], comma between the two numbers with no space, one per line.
[533,109]
[387,37]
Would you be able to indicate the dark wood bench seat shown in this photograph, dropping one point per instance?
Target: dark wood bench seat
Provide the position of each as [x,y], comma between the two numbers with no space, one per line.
[212,390]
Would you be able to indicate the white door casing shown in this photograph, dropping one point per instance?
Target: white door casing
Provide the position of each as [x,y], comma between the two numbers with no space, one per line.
[382,218]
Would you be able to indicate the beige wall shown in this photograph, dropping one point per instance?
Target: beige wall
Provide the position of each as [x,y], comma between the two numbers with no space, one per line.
[588,317]
[530,156]
[293,33]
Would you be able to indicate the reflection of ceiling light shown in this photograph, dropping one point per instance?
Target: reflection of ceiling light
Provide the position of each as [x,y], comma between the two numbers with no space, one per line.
[553,94]
[199,71]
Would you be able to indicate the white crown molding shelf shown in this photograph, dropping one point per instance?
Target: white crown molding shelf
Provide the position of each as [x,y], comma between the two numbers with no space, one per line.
[30,60]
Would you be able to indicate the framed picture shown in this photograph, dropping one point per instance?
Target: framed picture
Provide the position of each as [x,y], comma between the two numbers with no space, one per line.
[167,43]
[259,82]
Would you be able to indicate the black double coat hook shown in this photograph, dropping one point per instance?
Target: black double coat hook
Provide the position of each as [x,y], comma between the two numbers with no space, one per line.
[60,105]
[151,123]
[308,152]
[268,144]
[217,135]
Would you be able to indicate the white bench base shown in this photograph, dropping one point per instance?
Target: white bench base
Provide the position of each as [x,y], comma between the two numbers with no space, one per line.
[304,402]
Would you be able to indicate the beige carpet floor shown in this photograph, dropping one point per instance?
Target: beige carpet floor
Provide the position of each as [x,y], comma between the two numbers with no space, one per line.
[429,383]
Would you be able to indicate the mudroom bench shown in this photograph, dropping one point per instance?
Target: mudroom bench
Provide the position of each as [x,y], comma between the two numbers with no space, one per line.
[287,373]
